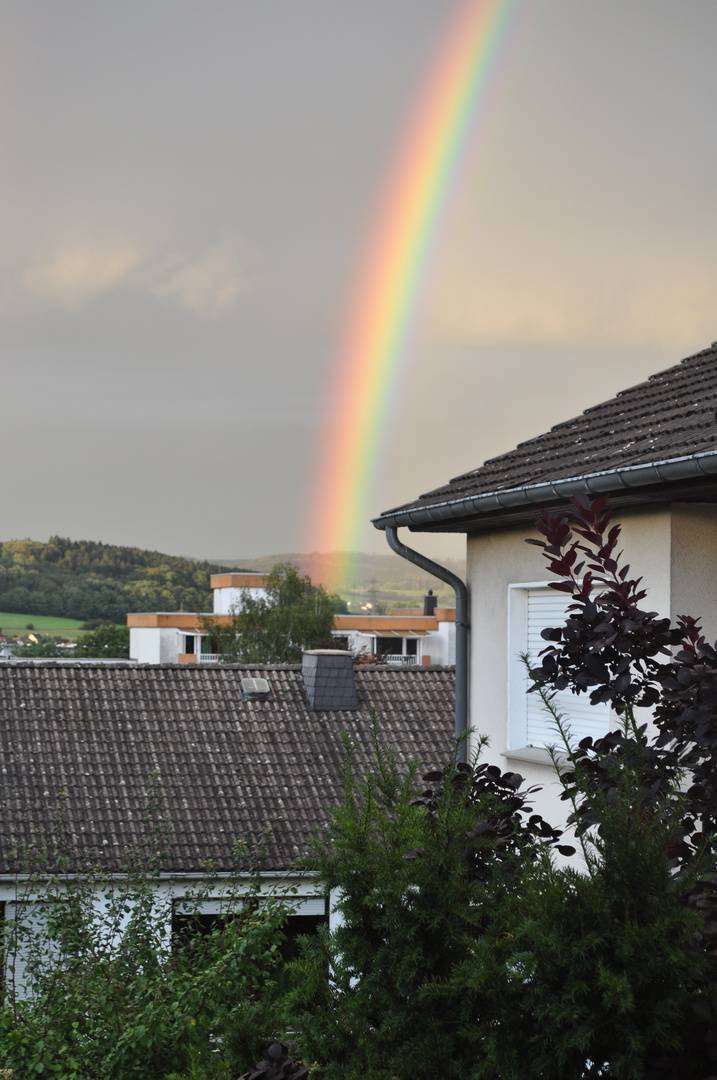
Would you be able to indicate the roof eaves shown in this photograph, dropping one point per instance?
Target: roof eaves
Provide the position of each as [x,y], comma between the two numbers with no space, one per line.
[598,483]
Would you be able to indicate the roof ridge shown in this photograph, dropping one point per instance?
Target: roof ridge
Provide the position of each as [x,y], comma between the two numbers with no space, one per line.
[667,417]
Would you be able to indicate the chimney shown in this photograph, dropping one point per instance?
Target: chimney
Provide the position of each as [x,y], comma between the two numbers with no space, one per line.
[329,679]
[429,603]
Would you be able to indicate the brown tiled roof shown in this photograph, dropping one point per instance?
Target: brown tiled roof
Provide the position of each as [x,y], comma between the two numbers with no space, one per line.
[671,415]
[227,766]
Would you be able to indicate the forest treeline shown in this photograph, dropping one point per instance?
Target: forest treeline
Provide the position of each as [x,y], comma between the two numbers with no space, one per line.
[82,579]
[373,577]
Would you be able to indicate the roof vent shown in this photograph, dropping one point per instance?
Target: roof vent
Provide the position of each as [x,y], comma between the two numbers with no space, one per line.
[329,679]
[255,689]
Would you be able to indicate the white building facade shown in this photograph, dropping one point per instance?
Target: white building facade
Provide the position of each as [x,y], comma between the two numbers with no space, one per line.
[407,637]
[178,637]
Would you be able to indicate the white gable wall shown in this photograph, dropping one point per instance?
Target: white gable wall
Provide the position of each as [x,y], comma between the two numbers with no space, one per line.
[693,581]
[154,644]
[144,644]
[440,644]
[230,599]
[501,559]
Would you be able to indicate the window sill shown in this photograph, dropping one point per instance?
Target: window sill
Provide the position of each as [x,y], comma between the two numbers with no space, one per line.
[537,755]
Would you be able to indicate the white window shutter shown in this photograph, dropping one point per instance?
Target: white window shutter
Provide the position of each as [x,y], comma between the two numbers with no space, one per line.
[547,608]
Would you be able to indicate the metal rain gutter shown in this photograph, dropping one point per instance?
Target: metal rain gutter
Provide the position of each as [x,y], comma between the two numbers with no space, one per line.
[461,592]
[633,476]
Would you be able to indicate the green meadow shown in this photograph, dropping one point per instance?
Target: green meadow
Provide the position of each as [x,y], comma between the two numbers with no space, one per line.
[14,625]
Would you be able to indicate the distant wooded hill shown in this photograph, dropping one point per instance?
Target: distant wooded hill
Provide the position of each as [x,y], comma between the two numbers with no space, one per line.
[80,579]
[383,578]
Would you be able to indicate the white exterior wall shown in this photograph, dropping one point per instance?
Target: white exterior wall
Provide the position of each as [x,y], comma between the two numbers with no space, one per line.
[497,560]
[218,896]
[155,644]
[230,599]
[169,645]
[440,644]
[358,643]
[144,644]
[694,564]
[215,891]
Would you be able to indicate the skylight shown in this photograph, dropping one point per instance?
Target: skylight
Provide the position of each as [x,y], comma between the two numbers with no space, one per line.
[255,689]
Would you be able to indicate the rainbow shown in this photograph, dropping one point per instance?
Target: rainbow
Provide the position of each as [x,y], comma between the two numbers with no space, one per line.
[439,143]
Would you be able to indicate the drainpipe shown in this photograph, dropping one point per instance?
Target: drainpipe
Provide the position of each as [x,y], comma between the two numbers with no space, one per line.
[461,629]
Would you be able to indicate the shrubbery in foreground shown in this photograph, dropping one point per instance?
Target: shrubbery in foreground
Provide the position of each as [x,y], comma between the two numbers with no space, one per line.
[104,979]
[466,949]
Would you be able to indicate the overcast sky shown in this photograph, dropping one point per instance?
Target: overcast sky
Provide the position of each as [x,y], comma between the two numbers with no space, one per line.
[185,189]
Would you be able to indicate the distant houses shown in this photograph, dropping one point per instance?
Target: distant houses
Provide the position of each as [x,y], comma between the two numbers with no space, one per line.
[177,637]
[407,637]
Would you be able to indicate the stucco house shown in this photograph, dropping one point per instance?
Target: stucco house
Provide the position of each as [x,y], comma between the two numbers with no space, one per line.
[241,754]
[405,637]
[653,450]
[172,637]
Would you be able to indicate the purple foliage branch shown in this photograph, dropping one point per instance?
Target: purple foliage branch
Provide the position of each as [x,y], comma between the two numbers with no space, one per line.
[613,649]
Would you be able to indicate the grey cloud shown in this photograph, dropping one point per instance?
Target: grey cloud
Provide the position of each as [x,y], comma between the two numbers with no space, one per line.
[186,191]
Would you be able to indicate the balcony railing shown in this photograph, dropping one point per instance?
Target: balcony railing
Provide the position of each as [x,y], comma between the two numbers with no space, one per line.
[208,658]
[401,661]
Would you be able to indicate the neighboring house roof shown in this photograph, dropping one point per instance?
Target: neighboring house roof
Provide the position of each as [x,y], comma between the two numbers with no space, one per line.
[394,624]
[638,445]
[179,620]
[243,580]
[83,741]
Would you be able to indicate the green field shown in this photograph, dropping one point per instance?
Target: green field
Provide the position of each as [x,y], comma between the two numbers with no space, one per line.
[14,625]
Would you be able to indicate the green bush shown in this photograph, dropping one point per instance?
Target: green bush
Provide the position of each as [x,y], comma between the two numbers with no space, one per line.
[103,981]
[424,877]
[108,642]
[466,948]
[294,615]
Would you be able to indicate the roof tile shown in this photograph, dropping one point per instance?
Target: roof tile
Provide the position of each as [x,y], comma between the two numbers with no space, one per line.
[81,741]
[672,414]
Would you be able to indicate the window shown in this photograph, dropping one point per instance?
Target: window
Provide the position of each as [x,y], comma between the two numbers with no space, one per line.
[388,646]
[532,608]
[305,915]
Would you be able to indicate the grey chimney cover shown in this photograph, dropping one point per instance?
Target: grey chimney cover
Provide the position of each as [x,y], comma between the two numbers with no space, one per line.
[329,679]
